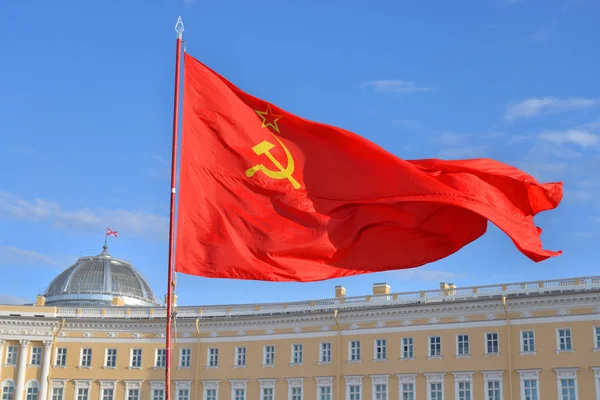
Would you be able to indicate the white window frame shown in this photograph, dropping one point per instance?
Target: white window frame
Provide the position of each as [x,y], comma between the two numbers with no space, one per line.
[324,381]
[353,381]
[380,380]
[434,378]
[430,355]
[35,388]
[351,353]
[181,357]
[596,371]
[39,350]
[596,336]
[157,385]
[528,352]
[266,355]
[106,358]
[558,349]
[468,345]
[530,374]
[107,385]
[295,383]
[411,346]
[88,359]
[492,376]
[266,384]
[14,351]
[297,356]
[487,353]
[238,353]
[131,356]
[183,385]
[376,346]
[156,357]
[133,385]
[56,384]
[209,356]
[82,384]
[239,384]
[566,373]
[407,379]
[463,377]
[325,349]
[210,385]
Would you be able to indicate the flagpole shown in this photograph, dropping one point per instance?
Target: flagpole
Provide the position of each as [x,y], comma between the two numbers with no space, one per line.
[179,29]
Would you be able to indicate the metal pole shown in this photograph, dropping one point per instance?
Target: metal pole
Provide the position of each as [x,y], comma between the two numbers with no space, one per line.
[179,29]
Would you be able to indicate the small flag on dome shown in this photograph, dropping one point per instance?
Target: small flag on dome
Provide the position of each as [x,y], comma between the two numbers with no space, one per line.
[110,232]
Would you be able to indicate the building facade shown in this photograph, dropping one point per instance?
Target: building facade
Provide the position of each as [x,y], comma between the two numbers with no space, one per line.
[104,340]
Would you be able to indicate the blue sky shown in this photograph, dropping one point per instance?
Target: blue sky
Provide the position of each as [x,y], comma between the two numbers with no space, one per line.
[86,108]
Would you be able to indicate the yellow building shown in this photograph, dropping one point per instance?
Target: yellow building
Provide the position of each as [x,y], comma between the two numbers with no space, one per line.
[98,333]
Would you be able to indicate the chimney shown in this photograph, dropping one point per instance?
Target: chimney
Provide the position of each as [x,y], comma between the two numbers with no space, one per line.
[380,289]
[340,291]
[444,285]
[40,301]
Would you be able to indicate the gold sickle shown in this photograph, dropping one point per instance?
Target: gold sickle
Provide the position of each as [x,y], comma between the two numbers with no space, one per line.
[265,148]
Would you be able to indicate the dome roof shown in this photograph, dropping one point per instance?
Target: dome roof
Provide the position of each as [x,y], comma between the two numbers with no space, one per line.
[96,280]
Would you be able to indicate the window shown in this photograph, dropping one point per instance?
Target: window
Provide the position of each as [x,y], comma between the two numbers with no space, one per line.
[8,390]
[57,393]
[11,355]
[211,394]
[407,348]
[240,357]
[324,393]
[296,354]
[108,394]
[159,394]
[267,394]
[380,392]
[185,358]
[464,390]
[354,350]
[136,358]
[239,394]
[435,391]
[111,358]
[354,392]
[296,393]
[530,389]
[407,391]
[527,342]
[86,358]
[161,357]
[435,346]
[213,357]
[83,394]
[492,343]
[492,390]
[133,394]
[32,392]
[567,389]
[380,349]
[36,356]
[61,357]
[325,352]
[183,394]
[462,345]
[269,355]
[564,340]
[597,337]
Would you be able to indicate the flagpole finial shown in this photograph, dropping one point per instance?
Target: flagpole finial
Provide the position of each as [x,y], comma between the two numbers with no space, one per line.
[179,28]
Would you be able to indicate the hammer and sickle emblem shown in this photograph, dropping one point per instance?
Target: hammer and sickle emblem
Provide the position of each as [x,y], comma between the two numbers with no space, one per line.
[265,148]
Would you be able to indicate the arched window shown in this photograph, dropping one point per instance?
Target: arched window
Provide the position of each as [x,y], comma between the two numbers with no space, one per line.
[8,390]
[32,390]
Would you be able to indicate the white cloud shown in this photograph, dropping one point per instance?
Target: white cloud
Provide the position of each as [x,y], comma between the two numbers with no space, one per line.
[8,299]
[579,137]
[137,223]
[536,106]
[394,86]
[10,255]
[429,274]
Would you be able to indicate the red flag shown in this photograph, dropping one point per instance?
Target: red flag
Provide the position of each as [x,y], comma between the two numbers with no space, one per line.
[267,195]
[110,232]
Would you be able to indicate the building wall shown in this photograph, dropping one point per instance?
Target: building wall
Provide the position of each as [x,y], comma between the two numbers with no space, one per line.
[544,315]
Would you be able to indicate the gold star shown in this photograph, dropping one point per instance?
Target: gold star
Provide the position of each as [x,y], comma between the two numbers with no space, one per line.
[269,118]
